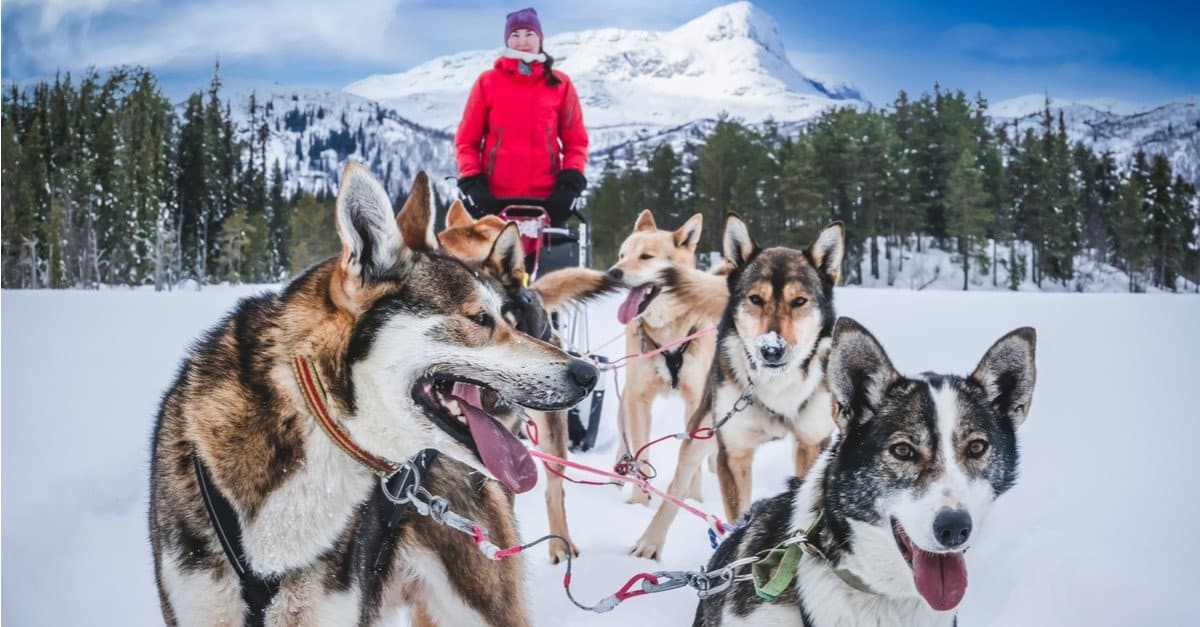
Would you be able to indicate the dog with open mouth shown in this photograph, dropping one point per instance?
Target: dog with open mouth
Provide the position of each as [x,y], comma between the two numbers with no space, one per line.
[409,345]
[493,247]
[891,509]
[652,320]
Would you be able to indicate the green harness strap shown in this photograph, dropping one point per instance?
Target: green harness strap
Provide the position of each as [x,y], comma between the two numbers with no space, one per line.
[776,567]
[775,570]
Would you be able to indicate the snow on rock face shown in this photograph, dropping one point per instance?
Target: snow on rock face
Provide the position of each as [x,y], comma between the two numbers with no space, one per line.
[314,132]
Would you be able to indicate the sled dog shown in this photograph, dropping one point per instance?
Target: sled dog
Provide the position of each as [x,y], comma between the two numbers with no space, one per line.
[493,247]
[890,509]
[772,345]
[653,319]
[405,341]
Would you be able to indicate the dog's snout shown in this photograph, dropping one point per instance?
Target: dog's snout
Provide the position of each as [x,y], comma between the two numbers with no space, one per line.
[771,353]
[952,527]
[583,373]
[616,274]
[771,347]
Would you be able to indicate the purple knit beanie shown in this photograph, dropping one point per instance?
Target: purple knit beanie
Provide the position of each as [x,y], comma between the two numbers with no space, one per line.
[525,18]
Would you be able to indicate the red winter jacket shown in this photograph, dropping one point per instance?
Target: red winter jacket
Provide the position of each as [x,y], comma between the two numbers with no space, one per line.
[520,131]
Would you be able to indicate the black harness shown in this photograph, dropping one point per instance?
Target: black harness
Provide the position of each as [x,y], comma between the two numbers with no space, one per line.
[673,359]
[258,591]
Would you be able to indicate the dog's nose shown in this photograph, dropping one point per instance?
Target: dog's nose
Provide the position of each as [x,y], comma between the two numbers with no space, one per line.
[583,373]
[616,274]
[952,527]
[771,353]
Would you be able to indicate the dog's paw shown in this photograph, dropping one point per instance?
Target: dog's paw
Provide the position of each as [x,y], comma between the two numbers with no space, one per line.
[558,552]
[637,497]
[649,548]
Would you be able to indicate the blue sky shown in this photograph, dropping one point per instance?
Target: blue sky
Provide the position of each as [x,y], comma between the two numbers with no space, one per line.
[1140,53]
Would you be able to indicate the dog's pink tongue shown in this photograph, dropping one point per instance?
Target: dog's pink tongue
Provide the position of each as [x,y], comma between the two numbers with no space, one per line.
[941,578]
[500,450]
[629,309]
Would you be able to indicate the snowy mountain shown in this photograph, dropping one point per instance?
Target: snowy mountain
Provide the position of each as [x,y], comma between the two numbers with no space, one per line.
[1171,128]
[634,82]
[313,132]
[638,88]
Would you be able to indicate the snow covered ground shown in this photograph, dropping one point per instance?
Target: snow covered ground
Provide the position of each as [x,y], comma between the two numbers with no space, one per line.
[1098,531]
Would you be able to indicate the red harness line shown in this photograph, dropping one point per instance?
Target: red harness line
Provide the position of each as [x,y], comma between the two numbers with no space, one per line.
[638,480]
[626,360]
[712,519]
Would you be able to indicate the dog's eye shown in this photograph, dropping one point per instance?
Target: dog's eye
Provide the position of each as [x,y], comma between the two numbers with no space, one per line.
[756,300]
[976,448]
[799,301]
[483,319]
[903,452]
[646,256]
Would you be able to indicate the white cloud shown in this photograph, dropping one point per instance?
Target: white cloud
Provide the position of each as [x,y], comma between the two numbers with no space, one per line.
[52,34]
[52,12]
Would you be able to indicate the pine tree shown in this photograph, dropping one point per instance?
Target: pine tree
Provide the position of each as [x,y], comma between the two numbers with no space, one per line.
[664,173]
[801,191]
[715,174]
[278,233]
[966,201]
[194,194]
[610,218]
[905,219]
[1129,225]
[312,239]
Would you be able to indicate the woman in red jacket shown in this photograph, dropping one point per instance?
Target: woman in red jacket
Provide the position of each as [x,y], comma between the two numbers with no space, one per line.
[522,135]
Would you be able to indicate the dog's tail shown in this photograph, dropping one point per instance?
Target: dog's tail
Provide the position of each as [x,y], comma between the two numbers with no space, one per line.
[572,285]
[705,294]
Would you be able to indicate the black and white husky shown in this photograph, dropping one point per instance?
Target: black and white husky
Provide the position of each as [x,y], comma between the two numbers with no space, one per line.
[897,499]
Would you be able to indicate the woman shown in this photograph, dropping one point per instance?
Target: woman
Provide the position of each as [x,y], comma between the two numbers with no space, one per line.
[522,137]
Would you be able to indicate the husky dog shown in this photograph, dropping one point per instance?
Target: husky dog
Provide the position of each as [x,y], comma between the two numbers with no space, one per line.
[493,247]
[405,340]
[652,319]
[772,343]
[894,504]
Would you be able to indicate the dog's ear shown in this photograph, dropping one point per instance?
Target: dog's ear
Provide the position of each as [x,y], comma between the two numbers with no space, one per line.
[688,235]
[826,253]
[1007,373]
[415,219]
[457,216]
[859,373]
[370,238]
[507,257]
[736,242]
[645,222]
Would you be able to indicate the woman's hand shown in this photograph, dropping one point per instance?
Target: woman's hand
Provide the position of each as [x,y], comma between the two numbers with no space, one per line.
[479,197]
[570,185]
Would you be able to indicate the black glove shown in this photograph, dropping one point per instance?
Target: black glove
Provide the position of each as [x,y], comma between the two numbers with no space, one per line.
[480,200]
[570,185]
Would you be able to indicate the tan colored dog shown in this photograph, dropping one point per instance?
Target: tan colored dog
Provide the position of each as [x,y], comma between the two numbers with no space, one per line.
[774,341]
[471,240]
[653,319]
